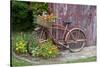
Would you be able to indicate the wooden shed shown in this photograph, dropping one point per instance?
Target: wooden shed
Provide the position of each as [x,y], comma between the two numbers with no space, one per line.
[81,16]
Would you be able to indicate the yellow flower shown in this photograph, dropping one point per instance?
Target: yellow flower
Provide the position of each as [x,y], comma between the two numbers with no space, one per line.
[21,43]
[20,47]
[50,52]
[16,49]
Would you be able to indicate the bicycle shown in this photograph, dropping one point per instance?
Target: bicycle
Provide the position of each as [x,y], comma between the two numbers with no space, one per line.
[73,39]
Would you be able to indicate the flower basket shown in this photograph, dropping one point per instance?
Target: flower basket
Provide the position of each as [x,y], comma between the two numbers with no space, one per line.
[45,20]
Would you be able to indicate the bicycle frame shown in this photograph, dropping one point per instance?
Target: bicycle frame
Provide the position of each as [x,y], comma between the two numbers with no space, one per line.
[61,27]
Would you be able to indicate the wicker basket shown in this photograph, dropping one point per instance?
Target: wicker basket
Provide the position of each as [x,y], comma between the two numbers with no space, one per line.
[45,21]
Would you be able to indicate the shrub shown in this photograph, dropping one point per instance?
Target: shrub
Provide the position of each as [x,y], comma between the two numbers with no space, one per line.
[22,14]
[32,42]
[20,47]
[46,50]
[19,19]
[20,43]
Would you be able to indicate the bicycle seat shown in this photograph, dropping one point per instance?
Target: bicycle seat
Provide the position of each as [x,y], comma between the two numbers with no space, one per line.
[67,22]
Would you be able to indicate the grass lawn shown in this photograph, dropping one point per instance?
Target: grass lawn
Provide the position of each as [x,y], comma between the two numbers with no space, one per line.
[17,62]
[90,59]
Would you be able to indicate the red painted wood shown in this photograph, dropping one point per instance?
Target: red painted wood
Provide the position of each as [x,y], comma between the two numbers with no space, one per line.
[82,16]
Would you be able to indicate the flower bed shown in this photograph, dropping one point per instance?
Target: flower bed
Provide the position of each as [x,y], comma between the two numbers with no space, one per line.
[46,50]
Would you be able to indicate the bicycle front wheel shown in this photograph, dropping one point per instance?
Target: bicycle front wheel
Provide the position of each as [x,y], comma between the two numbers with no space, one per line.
[75,40]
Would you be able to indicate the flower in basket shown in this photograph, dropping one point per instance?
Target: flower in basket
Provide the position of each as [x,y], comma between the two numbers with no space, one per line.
[46,20]
[51,17]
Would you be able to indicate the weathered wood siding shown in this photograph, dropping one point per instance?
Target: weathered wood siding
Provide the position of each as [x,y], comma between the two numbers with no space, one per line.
[82,16]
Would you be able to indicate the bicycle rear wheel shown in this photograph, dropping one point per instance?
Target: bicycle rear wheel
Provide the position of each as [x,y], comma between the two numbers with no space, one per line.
[75,40]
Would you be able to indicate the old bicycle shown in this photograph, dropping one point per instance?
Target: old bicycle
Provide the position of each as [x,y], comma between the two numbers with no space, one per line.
[74,39]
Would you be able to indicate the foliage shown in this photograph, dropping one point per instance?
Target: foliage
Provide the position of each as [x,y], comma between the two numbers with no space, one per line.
[33,41]
[19,15]
[20,47]
[46,50]
[23,15]
[39,7]
[20,44]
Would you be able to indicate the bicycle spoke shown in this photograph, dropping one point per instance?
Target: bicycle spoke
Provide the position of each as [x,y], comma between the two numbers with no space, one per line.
[81,40]
[72,35]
